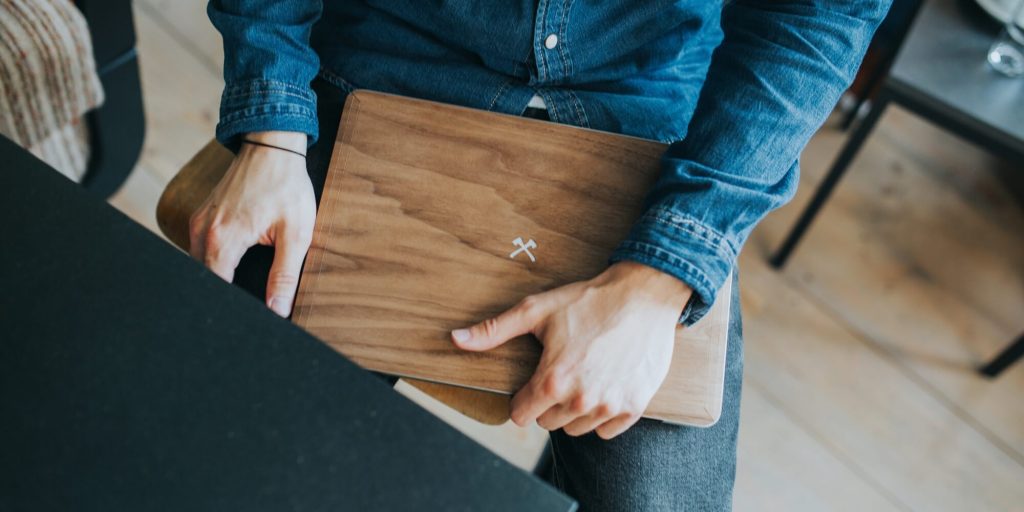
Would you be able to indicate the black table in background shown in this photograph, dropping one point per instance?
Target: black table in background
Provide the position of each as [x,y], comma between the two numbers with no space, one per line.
[941,75]
[131,378]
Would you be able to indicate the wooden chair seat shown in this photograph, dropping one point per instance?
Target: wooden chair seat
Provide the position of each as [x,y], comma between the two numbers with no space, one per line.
[193,184]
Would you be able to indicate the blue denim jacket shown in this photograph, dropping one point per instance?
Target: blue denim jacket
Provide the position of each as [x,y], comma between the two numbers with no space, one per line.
[737,89]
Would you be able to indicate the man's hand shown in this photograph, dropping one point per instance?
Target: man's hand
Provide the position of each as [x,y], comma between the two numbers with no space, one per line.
[607,348]
[265,198]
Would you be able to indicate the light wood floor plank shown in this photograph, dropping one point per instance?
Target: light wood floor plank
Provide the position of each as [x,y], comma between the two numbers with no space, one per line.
[781,467]
[186,21]
[846,392]
[925,265]
[181,97]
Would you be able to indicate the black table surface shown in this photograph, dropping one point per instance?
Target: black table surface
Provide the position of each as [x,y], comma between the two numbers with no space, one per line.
[131,378]
[943,63]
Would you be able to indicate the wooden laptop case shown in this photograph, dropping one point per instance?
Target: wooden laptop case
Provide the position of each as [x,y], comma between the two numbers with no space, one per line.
[420,214]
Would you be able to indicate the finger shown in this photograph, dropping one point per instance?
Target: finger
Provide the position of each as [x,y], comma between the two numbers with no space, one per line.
[542,392]
[492,332]
[289,252]
[617,425]
[224,247]
[564,413]
[587,423]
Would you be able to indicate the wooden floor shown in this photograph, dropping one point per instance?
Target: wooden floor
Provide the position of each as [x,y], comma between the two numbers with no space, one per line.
[860,392]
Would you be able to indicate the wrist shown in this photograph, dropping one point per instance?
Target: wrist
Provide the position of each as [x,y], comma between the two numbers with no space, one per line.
[651,284]
[293,141]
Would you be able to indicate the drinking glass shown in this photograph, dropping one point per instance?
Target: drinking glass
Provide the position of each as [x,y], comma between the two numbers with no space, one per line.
[1007,52]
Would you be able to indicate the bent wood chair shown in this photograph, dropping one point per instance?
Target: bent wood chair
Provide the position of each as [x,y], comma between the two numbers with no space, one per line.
[193,184]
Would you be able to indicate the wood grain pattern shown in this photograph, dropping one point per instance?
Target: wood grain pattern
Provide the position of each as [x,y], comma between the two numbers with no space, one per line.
[188,189]
[415,229]
[186,192]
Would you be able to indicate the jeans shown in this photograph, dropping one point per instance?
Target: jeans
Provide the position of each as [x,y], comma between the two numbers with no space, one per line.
[652,466]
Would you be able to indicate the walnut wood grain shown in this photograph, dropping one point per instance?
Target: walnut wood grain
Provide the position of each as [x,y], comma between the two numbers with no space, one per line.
[188,189]
[415,229]
[193,184]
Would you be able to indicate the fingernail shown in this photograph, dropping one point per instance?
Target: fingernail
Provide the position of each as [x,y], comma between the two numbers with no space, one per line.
[461,335]
[281,306]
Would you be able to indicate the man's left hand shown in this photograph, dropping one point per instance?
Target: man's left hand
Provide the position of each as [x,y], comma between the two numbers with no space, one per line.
[607,347]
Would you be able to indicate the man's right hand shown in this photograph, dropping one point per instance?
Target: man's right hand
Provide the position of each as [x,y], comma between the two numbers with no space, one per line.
[264,198]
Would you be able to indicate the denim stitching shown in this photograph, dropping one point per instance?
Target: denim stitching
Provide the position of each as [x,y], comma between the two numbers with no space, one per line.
[564,31]
[538,36]
[551,104]
[684,223]
[267,94]
[248,115]
[494,100]
[704,286]
[691,226]
[689,272]
[580,112]
[561,42]
[337,80]
[257,87]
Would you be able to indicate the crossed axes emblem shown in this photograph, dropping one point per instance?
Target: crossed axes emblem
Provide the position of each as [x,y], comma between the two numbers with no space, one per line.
[523,247]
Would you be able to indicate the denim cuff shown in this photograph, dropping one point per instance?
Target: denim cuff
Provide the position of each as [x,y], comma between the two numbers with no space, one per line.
[262,105]
[685,248]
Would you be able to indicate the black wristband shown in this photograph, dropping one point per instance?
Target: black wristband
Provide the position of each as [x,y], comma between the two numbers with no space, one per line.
[254,143]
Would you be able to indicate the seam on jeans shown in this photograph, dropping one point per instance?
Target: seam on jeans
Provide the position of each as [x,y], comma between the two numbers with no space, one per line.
[498,94]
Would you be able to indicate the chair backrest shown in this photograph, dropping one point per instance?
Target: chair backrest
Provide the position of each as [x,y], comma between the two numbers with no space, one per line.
[117,127]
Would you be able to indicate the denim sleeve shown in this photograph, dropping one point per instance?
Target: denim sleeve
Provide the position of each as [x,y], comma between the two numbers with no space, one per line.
[778,72]
[268,66]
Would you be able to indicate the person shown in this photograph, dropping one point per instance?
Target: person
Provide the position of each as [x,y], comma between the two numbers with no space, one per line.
[736,89]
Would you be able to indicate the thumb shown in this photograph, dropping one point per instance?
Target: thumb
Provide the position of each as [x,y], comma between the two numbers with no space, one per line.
[493,332]
[289,252]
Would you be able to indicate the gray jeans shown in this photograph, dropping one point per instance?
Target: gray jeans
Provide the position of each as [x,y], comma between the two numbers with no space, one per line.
[654,465]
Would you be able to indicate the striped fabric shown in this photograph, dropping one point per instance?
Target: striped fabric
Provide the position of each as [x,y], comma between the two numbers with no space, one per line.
[48,80]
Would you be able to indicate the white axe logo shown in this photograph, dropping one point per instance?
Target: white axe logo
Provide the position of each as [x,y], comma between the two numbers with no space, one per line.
[530,244]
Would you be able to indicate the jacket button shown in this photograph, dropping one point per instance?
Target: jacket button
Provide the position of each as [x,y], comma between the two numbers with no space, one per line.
[551,42]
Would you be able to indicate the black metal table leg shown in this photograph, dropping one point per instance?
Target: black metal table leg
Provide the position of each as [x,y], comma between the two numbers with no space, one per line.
[849,151]
[1010,355]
